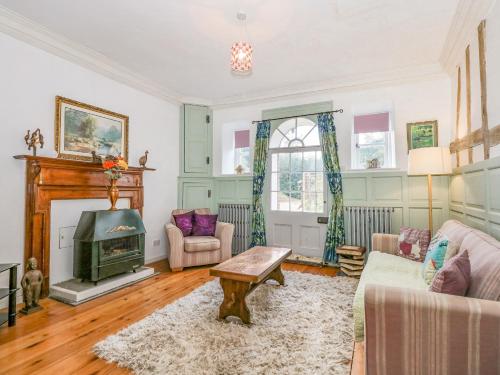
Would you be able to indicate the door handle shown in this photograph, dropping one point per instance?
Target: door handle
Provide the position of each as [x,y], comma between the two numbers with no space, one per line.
[209,193]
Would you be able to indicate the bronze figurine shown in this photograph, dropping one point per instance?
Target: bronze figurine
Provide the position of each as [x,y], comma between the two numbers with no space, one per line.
[32,283]
[97,159]
[143,159]
[35,139]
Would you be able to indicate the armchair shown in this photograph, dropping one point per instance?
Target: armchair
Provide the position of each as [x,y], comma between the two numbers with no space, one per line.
[198,250]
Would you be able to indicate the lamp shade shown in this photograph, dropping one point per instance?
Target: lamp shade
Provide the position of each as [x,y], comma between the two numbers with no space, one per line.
[429,161]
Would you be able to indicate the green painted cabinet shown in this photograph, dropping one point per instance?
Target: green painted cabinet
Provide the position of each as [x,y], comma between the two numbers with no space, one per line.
[195,141]
[196,193]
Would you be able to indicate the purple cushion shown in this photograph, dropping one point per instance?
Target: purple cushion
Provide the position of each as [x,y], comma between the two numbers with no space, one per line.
[204,225]
[454,276]
[185,222]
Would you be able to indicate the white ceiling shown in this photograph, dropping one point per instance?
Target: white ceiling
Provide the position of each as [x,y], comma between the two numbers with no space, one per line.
[183,45]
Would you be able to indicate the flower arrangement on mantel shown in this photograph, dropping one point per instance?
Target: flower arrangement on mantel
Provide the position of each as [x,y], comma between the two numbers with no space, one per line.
[113,167]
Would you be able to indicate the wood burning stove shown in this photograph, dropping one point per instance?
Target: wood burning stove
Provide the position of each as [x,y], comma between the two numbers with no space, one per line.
[107,243]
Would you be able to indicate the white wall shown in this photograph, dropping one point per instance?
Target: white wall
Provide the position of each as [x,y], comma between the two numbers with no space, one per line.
[410,102]
[30,79]
[492,43]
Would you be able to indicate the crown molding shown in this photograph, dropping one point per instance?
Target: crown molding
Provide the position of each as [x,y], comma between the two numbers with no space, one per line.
[462,30]
[24,29]
[355,82]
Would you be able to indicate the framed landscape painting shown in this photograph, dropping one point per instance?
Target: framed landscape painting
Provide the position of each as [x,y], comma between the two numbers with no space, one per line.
[422,134]
[82,128]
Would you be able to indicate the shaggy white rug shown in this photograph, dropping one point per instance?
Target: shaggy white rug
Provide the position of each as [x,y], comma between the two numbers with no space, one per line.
[305,327]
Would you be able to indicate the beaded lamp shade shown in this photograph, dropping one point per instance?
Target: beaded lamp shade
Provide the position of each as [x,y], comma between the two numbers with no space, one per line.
[241,57]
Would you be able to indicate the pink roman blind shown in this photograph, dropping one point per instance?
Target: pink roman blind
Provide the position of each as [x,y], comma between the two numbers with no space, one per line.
[376,122]
[241,138]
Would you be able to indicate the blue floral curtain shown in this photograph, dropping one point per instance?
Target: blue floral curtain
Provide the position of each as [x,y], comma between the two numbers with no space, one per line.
[259,174]
[335,234]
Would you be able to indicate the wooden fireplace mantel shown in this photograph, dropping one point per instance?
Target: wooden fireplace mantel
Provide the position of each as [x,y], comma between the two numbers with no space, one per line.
[50,179]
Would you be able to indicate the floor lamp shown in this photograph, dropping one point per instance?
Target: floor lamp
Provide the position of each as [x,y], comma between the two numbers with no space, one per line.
[429,161]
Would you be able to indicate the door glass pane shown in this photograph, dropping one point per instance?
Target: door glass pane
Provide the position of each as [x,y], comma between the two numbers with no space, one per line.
[274,163]
[284,182]
[296,181]
[309,181]
[309,161]
[296,201]
[274,181]
[319,182]
[309,202]
[284,162]
[274,200]
[283,202]
[296,162]
[320,202]
[319,161]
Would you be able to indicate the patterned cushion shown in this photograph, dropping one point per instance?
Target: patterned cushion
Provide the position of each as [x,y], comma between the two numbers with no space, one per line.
[184,222]
[454,276]
[200,243]
[413,243]
[204,225]
[434,260]
[484,256]
[452,249]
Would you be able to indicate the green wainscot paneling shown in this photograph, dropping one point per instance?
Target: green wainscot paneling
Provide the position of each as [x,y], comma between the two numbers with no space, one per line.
[236,189]
[407,195]
[195,141]
[209,192]
[475,197]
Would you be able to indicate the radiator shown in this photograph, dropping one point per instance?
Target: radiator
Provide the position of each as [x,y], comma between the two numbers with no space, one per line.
[361,222]
[239,215]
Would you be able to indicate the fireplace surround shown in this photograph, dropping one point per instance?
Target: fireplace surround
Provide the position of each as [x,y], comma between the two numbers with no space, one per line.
[50,179]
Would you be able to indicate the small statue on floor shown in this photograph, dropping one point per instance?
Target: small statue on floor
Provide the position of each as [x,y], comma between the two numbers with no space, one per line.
[32,283]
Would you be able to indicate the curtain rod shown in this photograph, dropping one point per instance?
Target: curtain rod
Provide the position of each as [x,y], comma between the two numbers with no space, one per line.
[308,114]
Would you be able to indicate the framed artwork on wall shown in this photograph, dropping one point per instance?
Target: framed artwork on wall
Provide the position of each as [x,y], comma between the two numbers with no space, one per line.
[81,129]
[422,134]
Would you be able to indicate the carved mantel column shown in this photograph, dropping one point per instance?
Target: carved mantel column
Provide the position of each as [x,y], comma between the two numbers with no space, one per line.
[50,179]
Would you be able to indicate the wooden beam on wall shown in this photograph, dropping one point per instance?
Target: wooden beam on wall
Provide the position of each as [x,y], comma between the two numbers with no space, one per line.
[482,75]
[468,98]
[457,124]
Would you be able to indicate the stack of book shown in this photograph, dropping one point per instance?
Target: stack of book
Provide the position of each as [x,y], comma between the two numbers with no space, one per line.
[351,260]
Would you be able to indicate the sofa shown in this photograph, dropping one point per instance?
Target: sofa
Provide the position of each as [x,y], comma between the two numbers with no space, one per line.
[409,330]
[198,250]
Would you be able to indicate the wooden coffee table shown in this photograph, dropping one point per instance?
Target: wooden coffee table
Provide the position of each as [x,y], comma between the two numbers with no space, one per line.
[240,275]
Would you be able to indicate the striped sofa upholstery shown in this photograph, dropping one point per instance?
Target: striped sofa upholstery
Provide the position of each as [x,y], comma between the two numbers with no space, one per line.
[198,250]
[409,330]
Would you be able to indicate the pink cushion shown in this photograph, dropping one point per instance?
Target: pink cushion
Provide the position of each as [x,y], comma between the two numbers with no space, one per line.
[413,243]
[455,231]
[184,222]
[204,225]
[484,256]
[454,276]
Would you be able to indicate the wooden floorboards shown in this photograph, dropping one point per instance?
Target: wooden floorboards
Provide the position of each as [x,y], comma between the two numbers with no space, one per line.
[58,340]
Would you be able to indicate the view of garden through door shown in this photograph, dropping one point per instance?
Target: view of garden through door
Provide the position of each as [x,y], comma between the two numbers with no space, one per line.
[297,188]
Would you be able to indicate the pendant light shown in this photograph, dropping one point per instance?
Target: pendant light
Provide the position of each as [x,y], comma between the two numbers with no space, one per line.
[241,52]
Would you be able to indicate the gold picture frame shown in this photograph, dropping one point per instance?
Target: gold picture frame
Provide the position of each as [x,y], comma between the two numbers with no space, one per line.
[82,128]
[422,134]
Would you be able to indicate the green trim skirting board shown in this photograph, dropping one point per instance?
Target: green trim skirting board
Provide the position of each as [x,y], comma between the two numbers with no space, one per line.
[475,196]
[408,195]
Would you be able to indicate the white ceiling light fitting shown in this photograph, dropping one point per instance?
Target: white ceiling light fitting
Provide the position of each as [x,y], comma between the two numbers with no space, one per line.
[241,52]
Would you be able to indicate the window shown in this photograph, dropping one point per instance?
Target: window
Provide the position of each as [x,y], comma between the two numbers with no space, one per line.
[297,182]
[242,150]
[372,139]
